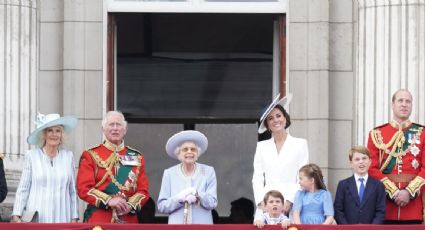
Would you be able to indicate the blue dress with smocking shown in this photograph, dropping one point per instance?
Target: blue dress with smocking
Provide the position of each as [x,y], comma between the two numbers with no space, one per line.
[313,206]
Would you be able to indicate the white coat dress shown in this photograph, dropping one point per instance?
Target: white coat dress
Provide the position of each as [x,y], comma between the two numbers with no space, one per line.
[278,171]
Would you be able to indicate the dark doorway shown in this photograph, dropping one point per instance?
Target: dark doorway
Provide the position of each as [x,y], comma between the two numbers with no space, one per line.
[209,72]
[197,67]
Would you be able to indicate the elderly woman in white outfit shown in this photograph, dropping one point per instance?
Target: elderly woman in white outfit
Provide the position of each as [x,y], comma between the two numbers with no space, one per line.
[47,184]
[278,159]
[189,189]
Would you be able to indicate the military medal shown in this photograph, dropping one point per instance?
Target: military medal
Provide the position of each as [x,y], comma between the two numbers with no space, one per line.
[417,139]
[413,139]
[130,160]
[414,150]
[132,176]
[415,164]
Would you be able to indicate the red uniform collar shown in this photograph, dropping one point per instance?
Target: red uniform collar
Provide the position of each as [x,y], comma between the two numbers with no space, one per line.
[402,125]
[114,147]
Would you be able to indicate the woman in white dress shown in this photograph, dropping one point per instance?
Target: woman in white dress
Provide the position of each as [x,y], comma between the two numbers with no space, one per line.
[47,184]
[278,159]
[189,189]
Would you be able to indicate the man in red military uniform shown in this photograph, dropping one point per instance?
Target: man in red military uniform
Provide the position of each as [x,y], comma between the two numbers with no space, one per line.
[111,177]
[398,160]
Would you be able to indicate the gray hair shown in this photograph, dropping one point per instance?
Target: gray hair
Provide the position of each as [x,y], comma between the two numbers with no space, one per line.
[177,150]
[114,112]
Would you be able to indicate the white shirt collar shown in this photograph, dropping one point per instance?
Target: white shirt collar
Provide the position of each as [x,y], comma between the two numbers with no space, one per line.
[356,177]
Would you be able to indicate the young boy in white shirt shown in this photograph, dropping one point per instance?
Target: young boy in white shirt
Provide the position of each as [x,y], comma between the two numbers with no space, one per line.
[273,207]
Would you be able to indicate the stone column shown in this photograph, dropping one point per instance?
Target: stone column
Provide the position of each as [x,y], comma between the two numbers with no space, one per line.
[390,55]
[308,75]
[18,87]
[18,71]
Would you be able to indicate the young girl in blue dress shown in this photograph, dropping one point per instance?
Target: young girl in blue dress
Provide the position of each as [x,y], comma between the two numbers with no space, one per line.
[313,203]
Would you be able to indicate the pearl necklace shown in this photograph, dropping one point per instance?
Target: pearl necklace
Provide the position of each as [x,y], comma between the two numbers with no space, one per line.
[188,174]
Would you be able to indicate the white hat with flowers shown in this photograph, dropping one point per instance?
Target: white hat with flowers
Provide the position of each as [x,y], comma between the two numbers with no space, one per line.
[45,121]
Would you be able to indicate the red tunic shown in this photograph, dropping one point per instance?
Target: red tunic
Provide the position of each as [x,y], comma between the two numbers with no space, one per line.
[97,187]
[407,167]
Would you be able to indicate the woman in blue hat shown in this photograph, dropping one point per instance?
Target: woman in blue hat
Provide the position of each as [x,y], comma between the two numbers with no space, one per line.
[278,159]
[189,189]
[47,185]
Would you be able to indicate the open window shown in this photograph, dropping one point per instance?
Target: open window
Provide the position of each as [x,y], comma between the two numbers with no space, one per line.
[211,68]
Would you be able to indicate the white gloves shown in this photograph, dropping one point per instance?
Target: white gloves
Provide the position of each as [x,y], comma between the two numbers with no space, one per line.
[187,194]
[191,199]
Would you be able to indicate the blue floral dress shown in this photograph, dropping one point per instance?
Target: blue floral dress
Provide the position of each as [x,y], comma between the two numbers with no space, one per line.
[313,206]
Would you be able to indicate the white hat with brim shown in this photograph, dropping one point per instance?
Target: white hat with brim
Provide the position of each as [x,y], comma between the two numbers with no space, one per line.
[50,120]
[179,138]
[284,102]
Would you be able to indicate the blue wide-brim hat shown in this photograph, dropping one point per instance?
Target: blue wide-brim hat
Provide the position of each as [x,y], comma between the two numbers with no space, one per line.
[284,102]
[179,138]
[50,120]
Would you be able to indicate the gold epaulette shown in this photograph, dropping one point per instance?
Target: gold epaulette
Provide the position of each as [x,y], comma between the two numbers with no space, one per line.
[382,126]
[134,201]
[94,147]
[108,163]
[415,185]
[2,156]
[133,149]
[390,187]
[378,141]
[376,137]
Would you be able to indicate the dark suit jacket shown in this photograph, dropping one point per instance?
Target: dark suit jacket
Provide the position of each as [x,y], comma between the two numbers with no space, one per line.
[3,185]
[349,210]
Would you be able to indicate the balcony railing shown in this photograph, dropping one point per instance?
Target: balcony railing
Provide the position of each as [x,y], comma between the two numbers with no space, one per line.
[5,226]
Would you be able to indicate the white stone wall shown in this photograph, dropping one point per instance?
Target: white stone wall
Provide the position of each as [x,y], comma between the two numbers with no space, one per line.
[18,71]
[308,75]
[71,66]
[341,88]
[321,77]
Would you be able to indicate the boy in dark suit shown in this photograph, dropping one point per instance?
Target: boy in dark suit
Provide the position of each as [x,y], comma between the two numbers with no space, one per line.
[360,199]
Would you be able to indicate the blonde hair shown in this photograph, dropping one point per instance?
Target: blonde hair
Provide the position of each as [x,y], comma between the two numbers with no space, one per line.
[42,136]
[314,171]
[358,149]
